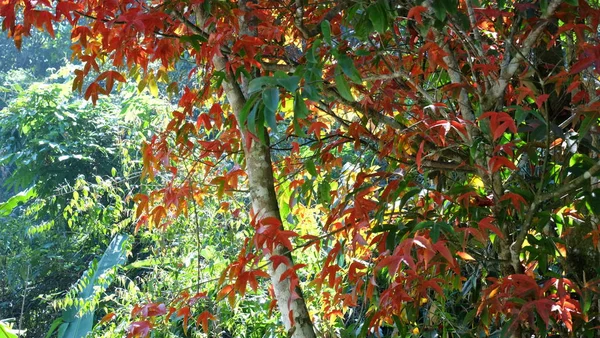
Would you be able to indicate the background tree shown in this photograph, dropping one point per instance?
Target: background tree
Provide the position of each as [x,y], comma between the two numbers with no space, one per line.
[446,149]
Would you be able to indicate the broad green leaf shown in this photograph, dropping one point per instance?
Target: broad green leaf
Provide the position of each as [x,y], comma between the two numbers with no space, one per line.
[252,117]
[243,115]
[348,68]
[270,97]
[324,190]
[289,83]
[260,126]
[194,40]
[23,197]
[6,332]
[378,17]
[586,124]
[326,30]
[439,9]
[342,85]
[78,325]
[300,112]
[259,83]
[311,168]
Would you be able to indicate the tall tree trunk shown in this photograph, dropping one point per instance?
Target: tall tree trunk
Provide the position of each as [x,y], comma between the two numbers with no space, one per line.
[264,204]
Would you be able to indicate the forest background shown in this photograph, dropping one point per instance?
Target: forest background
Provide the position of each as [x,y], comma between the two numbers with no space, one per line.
[302,169]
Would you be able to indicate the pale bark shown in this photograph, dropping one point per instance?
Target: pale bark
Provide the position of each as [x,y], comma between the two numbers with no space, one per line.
[262,194]
[264,204]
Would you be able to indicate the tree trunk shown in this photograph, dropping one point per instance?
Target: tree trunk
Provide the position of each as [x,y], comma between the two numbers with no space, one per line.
[264,204]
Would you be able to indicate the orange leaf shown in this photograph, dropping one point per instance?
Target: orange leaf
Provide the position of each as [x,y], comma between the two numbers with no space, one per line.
[203,320]
[465,256]
[107,318]
[227,289]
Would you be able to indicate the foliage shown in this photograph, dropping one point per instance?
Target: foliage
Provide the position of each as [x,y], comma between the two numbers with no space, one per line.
[41,54]
[438,158]
[67,167]
[78,319]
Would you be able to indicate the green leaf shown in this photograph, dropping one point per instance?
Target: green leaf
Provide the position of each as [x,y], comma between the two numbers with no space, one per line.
[378,17]
[423,225]
[300,112]
[289,83]
[586,124]
[243,116]
[439,9]
[148,263]
[270,97]
[324,196]
[55,325]
[592,201]
[409,194]
[435,233]
[342,85]
[348,68]
[6,332]
[260,126]
[23,197]
[252,118]
[259,83]
[311,168]
[78,325]
[326,30]
[194,40]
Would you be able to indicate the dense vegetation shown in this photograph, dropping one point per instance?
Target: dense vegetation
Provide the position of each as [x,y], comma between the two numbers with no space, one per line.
[301,169]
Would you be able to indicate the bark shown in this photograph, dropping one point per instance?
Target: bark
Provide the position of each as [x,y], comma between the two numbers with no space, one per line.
[262,193]
[264,204]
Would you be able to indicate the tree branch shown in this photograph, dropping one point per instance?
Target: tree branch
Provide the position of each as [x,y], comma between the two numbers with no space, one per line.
[506,73]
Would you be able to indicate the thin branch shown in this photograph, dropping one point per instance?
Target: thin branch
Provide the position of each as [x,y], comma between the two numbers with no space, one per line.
[506,73]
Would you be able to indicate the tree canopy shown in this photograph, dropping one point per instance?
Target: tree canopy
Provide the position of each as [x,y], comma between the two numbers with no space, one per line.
[408,167]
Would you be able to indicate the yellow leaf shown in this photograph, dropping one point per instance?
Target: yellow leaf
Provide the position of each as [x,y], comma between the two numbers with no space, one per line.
[153,86]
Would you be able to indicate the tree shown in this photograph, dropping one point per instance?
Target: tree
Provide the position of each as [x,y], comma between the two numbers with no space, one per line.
[66,168]
[450,148]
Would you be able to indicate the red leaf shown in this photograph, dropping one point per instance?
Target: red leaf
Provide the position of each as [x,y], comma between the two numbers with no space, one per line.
[516,200]
[185,313]
[415,13]
[541,100]
[392,263]
[486,224]
[153,310]
[582,64]
[110,77]
[500,122]
[420,157]
[543,308]
[139,329]
[279,259]
[227,289]
[93,91]
[65,8]
[496,162]
[203,320]
[442,249]
[315,128]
